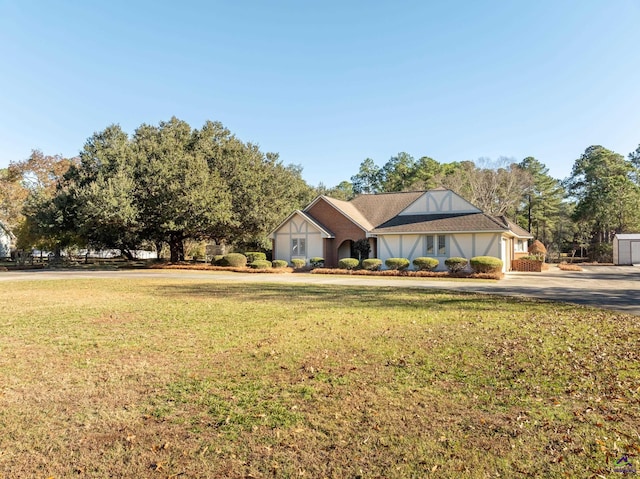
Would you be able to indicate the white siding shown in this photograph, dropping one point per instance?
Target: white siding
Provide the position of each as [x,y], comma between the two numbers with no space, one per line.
[626,249]
[299,228]
[435,202]
[465,245]
[5,244]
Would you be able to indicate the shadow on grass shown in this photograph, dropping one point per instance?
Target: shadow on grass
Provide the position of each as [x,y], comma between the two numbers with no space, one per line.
[325,296]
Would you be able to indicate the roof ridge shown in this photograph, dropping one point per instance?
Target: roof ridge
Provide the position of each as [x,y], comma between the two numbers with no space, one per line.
[503,223]
[392,193]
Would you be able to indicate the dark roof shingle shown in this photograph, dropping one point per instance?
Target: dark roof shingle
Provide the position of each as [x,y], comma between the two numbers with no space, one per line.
[378,214]
[382,207]
[441,223]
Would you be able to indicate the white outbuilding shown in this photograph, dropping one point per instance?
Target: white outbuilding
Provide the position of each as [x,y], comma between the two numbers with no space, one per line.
[626,249]
[6,241]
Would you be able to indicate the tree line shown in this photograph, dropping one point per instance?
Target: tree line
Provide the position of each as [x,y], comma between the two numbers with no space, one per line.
[162,185]
[169,183]
[600,198]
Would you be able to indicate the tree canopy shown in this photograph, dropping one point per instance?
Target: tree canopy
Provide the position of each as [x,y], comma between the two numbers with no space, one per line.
[605,186]
[169,183]
[166,184]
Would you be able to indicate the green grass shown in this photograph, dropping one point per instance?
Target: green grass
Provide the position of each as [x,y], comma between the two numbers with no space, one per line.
[190,378]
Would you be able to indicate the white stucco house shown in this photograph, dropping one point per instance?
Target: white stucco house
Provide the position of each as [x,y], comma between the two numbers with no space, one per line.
[436,223]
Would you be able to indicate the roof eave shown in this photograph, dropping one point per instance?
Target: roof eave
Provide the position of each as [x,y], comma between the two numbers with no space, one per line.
[449,232]
[324,232]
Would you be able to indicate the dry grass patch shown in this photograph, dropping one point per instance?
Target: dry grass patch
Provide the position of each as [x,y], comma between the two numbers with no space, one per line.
[180,378]
[210,267]
[569,267]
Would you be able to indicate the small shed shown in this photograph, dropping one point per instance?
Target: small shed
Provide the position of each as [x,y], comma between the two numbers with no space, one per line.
[626,249]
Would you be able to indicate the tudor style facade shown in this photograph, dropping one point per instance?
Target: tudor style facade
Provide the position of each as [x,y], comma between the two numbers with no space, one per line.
[436,223]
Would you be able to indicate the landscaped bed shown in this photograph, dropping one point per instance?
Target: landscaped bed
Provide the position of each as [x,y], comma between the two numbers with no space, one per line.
[210,267]
[409,273]
[356,272]
[197,378]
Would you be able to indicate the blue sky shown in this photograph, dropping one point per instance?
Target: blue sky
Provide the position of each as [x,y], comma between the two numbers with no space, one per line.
[328,84]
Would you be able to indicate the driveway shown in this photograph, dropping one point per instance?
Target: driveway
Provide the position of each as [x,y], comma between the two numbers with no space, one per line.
[610,287]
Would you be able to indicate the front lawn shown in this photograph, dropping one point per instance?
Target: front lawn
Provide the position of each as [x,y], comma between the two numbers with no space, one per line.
[197,378]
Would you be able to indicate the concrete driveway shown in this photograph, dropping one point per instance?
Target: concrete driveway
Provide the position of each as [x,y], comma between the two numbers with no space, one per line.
[610,287]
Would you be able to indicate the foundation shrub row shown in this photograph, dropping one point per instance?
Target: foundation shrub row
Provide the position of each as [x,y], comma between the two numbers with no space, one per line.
[258,260]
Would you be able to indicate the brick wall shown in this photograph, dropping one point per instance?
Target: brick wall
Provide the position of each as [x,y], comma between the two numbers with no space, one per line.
[342,227]
[528,265]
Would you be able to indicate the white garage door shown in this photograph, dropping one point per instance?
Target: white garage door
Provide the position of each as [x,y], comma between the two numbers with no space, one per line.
[635,252]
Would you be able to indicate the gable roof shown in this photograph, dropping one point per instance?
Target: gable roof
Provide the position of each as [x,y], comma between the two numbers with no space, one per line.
[515,229]
[441,223]
[381,214]
[381,207]
[326,233]
[348,209]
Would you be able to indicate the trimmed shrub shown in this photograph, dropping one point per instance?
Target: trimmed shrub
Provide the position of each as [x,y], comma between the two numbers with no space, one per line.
[348,263]
[260,264]
[455,264]
[399,264]
[531,258]
[425,264]
[298,263]
[255,256]
[317,262]
[217,260]
[538,250]
[486,264]
[279,263]
[372,264]
[236,260]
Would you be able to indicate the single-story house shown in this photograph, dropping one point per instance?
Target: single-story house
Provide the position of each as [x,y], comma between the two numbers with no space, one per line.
[6,241]
[626,249]
[436,223]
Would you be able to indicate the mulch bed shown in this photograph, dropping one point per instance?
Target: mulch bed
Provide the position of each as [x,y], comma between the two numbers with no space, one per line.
[359,272]
[410,274]
[209,267]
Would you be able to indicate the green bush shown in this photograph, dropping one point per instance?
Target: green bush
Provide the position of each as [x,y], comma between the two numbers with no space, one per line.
[260,264]
[317,262]
[532,258]
[217,260]
[602,253]
[236,260]
[486,264]
[399,264]
[255,256]
[279,263]
[298,263]
[425,264]
[455,264]
[348,263]
[371,264]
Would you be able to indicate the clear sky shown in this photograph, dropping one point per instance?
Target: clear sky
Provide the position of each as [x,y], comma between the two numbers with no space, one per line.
[328,84]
